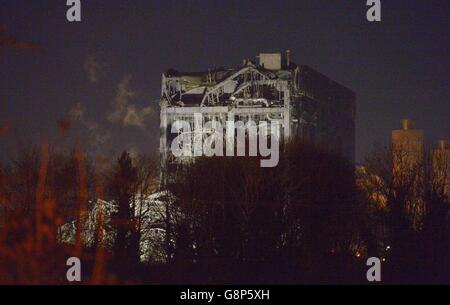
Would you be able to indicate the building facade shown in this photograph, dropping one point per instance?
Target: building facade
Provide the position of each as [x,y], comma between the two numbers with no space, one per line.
[302,101]
[440,163]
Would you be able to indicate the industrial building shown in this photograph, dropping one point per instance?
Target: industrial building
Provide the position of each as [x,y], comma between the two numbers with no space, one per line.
[304,102]
[407,152]
[408,167]
[440,158]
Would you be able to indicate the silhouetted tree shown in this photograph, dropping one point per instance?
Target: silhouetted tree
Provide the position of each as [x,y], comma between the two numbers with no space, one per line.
[240,219]
[414,214]
[121,190]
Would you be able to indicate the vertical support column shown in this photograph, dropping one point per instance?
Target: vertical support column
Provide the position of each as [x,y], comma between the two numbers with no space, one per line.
[198,134]
[287,110]
[230,134]
[163,145]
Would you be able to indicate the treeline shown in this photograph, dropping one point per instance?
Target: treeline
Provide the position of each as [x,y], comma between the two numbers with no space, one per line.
[311,219]
[296,222]
[45,192]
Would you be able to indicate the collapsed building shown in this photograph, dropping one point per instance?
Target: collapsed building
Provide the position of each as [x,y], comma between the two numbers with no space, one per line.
[304,102]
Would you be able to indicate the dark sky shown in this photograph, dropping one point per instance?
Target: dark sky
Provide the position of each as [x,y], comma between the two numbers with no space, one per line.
[55,69]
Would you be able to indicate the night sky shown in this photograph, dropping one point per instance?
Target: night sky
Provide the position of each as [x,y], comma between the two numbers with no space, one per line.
[104,73]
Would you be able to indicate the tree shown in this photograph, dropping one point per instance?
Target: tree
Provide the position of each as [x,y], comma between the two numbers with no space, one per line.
[121,190]
[243,221]
[413,214]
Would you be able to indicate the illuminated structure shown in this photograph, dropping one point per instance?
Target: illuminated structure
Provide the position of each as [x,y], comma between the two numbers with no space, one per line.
[407,149]
[306,103]
[440,163]
[408,167]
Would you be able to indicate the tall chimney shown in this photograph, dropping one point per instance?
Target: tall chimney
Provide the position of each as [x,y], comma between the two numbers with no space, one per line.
[288,58]
[443,144]
[407,124]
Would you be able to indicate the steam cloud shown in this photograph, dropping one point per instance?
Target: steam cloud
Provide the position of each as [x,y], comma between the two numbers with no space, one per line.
[99,134]
[126,112]
[92,68]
